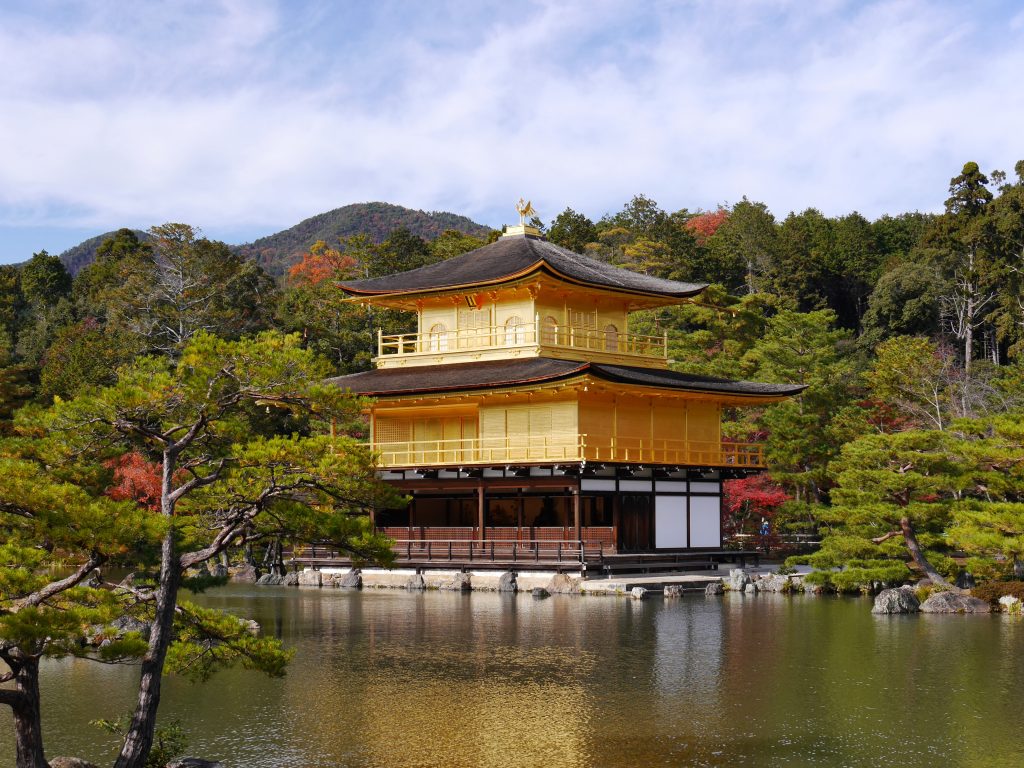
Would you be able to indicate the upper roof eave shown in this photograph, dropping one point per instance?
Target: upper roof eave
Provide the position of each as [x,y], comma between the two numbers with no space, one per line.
[513,258]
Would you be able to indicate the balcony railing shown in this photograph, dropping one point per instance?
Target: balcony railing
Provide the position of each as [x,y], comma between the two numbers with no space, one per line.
[523,335]
[568,447]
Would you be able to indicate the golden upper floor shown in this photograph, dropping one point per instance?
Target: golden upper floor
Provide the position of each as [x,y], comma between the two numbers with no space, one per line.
[521,296]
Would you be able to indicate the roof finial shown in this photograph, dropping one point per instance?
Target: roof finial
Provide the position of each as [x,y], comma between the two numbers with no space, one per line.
[524,210]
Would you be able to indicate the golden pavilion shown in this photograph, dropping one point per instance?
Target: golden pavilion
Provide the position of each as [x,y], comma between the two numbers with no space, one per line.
[526,421]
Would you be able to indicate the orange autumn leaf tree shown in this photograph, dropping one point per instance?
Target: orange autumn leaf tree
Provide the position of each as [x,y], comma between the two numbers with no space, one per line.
[704,225]
[322,263]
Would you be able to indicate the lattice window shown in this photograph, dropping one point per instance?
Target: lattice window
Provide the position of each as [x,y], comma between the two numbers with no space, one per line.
[392,431]
[611,338]
[474,328]
[580,319]
[515,331]
[549,331]
[437,338]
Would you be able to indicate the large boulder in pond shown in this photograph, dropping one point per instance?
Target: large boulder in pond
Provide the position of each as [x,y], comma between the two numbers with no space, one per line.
[901,600]
[291,579]
[738,579]
[459,582]
[773,582]
[270,580]
[70,762]
[954,602]
[245,574]
[349,579]
[563,584]
[310,578]
[507,582]
[713,588]
[673,590]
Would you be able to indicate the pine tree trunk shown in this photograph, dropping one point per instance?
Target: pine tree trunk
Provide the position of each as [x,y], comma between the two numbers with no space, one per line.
[139,740]
[910,538]
[24,702]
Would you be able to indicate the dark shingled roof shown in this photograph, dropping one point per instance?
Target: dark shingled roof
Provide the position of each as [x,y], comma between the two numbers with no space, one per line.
[503,373]
[515,255]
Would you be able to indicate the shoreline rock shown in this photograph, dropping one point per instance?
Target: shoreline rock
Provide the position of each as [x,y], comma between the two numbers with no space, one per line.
[899,600]
[954,602]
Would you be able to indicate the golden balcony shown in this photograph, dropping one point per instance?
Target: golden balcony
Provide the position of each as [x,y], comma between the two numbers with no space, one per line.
[522,339]
[568,448]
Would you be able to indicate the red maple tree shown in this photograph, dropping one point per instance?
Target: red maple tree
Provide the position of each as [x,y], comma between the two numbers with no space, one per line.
[704,225]
[135,479]
[322,263]
[746,501]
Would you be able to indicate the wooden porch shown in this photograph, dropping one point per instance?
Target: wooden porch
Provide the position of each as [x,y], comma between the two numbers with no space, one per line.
[592,558]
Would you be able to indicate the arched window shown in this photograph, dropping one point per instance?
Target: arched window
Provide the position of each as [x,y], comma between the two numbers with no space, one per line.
[515,331]
[611,338]
[549,331]
[437,339]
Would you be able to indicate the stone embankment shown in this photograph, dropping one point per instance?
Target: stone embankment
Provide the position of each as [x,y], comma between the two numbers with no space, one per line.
[538,583]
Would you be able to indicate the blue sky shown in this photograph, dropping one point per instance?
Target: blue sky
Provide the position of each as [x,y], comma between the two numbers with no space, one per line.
[243,118]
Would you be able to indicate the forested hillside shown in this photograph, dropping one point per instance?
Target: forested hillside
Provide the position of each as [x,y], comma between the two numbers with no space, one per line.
[80,256]
[906,448]
[277,252]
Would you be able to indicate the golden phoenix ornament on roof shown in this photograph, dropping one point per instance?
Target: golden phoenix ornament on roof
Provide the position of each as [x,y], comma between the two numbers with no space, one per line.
[524,209]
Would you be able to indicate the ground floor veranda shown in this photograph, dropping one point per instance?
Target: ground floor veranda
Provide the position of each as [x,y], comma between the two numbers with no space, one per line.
[518,516]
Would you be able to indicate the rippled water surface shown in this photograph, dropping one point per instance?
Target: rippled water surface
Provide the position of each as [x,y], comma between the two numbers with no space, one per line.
[403,679]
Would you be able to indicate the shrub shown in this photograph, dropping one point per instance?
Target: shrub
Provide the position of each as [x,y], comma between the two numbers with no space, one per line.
[993,590]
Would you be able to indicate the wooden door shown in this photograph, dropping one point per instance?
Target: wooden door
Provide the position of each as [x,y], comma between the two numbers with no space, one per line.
[636,518]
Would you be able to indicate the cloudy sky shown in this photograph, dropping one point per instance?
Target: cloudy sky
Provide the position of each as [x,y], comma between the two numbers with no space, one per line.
[245,117]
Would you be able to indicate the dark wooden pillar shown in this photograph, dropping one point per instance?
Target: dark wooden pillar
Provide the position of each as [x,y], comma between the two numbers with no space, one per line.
[616,521]
[481,509]
[576,514]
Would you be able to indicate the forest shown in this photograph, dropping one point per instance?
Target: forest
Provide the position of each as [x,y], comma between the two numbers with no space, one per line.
[174,379]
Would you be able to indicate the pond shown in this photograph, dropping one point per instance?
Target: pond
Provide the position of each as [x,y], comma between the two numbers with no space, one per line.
[389,678]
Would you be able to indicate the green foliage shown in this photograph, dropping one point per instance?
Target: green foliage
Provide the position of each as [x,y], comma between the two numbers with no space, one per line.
[572,230]
[44,280]
[169,741]
[84,355]
[209,640]
[803,434]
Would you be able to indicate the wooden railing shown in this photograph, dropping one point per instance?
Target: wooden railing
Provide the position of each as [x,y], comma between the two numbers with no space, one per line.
[523,551]
[523,335]
[568,447]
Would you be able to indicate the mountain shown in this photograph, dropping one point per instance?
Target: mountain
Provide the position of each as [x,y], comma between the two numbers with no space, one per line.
[275,253]
[80,256]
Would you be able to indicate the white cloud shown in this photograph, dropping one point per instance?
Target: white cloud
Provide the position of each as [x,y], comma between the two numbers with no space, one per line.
[241,116]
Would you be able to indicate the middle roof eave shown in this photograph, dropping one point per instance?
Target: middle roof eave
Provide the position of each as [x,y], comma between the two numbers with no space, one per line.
[456,377]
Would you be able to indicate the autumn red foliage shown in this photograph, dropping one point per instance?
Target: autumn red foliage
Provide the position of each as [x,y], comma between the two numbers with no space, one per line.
[135,479]
[705,225]
[322,263]
[746,501]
